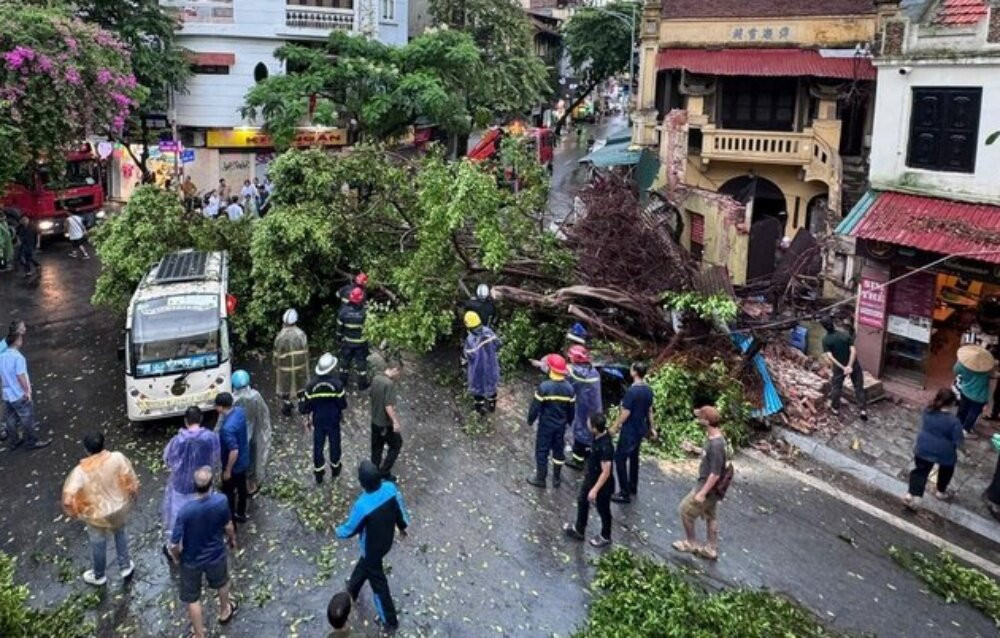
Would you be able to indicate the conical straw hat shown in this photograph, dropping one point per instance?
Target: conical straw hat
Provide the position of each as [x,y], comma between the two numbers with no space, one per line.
[975,358]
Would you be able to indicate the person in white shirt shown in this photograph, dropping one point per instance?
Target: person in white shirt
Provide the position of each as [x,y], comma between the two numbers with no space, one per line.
[248,197]
[77,233]
[234,210]
[211,209]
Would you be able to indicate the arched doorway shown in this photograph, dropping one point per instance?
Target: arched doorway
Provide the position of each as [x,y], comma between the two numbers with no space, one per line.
[767,220]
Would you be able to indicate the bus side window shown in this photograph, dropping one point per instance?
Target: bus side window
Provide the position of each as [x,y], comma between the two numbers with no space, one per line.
[224,339]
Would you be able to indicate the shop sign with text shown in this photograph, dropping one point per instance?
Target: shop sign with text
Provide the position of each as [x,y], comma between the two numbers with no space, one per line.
[255,138]
[871,303]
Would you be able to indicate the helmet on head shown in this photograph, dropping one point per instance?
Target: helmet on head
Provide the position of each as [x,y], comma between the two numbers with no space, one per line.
[579,354]
[361,279]
[556,364]
[326,364]
[482,292]
[241,379]
[291,317]
[357,295]
[577,333]
[472,320]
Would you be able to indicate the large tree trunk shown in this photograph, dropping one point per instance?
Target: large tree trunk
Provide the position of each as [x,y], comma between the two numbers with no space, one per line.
[577,102]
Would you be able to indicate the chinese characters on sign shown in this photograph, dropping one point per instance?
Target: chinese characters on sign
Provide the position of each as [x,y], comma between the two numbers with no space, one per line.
[761,34]
[871,304]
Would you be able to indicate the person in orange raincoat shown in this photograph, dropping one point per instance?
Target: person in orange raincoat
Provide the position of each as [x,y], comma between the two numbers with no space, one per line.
[100,492]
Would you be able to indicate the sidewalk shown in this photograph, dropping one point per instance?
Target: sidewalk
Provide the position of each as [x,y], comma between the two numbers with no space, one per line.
[880,452]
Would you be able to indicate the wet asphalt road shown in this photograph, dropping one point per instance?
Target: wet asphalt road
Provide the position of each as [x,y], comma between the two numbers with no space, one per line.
[485,556]
[568,175]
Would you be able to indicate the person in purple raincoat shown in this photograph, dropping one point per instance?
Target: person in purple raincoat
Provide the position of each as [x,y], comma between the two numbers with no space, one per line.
[482,364]
[586,382]
[191,448]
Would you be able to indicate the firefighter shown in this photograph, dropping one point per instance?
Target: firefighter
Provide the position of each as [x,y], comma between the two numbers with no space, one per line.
[586,383]
[553,409]
[482,304]
[577,334]
[323,404]
[344,294]
[353,346]
[291,360]
[482,364]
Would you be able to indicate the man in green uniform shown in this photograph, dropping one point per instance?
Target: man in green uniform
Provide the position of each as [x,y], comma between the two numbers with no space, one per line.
[840,353]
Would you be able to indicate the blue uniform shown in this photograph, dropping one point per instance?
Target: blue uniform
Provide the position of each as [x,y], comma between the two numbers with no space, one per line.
[586,383]
[553,407]
[482,367]
[353,345]
[374,518]
[324,400]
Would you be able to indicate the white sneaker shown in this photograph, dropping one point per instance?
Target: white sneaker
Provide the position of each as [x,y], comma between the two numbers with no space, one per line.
[90,579]
[127,572]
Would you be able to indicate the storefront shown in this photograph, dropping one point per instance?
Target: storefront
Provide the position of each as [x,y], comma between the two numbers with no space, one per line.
[930,283]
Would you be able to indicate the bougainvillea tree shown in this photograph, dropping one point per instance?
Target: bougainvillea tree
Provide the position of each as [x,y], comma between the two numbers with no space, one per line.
[61,80]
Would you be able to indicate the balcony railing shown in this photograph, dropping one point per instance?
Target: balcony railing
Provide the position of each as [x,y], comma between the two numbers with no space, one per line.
[819,161]
[327,19]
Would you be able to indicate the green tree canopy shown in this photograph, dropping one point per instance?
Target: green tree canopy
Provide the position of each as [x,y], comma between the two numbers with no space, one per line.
[61,80]
[381,88]
[598,41]
[515,78]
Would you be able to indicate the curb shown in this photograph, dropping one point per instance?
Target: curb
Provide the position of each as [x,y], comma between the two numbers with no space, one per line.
[960,553]
[987,528]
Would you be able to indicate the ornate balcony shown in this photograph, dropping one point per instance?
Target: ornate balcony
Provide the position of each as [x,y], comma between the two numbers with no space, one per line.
[323,18]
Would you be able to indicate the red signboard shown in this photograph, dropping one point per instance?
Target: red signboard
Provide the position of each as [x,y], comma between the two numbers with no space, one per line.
[871,303]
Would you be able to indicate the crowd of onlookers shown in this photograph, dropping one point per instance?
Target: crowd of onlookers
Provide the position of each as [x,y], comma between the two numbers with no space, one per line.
[251,201]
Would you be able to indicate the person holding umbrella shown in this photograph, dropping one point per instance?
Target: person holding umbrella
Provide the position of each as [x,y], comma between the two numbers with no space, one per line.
[972,378]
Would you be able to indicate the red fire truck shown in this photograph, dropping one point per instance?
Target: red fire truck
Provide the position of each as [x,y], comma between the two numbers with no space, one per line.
[47,199]
[540,140]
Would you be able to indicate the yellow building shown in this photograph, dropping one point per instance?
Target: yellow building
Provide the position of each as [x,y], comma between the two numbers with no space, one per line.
[761,115]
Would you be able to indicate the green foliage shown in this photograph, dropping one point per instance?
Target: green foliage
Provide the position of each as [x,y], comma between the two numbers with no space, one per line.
[513,77]
[382,88]
[992,138]
[714,307]
[952,581]
[640,598]
[19,620]
[598,40]
[61,80]
[677,390]
[525,337]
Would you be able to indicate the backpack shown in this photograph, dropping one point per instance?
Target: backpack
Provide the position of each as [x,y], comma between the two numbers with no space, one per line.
[725,479]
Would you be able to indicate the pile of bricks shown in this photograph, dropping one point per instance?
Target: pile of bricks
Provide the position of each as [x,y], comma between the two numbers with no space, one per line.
[802,382]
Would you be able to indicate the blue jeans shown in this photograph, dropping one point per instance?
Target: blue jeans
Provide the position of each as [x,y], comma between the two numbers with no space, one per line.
[969,411]
[99,547]
[20,412]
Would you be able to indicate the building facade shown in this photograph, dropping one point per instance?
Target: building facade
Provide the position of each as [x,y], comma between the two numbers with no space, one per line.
[231,45]
[761,113]
[928,232]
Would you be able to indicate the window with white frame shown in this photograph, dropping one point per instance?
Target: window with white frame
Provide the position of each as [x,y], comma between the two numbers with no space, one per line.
[389,10]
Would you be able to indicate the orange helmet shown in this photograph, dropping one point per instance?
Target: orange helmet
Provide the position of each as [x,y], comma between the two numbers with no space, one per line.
[556,364]
[357,296]
[361,279]
[579,354]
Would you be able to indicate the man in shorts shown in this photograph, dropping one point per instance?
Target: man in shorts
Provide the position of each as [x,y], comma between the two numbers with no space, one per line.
[702,499]
[201,532]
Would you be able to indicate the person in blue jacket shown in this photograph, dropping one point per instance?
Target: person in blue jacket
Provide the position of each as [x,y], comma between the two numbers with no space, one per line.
[234,442]
[586,383]
[940,435]
[482,363]
[553,409]
[376,515]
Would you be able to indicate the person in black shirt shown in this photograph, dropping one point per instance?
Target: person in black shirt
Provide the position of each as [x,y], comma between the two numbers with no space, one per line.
[597,485]
[353,345]
[635,421]
[28,241]
[323,403]
[482,304]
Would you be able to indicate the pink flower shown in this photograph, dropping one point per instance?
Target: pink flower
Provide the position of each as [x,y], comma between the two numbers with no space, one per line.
[103,76]
[16,58]
[45,63]
[71,43]
[73,76]
[123,101]
[118,123]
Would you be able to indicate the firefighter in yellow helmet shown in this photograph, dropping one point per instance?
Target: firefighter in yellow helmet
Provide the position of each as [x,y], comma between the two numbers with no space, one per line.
[481,362]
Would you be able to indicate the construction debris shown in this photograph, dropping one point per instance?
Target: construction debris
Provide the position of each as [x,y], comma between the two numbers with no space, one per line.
[802,382]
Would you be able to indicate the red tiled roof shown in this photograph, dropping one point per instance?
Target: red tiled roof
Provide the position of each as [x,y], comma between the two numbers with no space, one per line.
[766,62]
[764,8]
[956,13]
[936,225]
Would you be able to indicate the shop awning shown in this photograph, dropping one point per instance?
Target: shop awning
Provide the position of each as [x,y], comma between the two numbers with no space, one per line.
[768,63]
[210,59]
[928,223]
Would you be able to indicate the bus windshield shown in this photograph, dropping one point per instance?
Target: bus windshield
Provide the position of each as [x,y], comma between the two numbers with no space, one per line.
[175,334]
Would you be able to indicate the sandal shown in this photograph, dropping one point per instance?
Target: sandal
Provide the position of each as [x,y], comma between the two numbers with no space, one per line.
[706,553]
[685,546]
[233,608]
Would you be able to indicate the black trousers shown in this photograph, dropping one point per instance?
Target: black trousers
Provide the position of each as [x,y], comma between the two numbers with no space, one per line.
[992,493]
[371,570]
[603,505]
[580,451]
[382,437]
[627,468]
[235,490]
[918,477]
[323,435]
[354,355]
